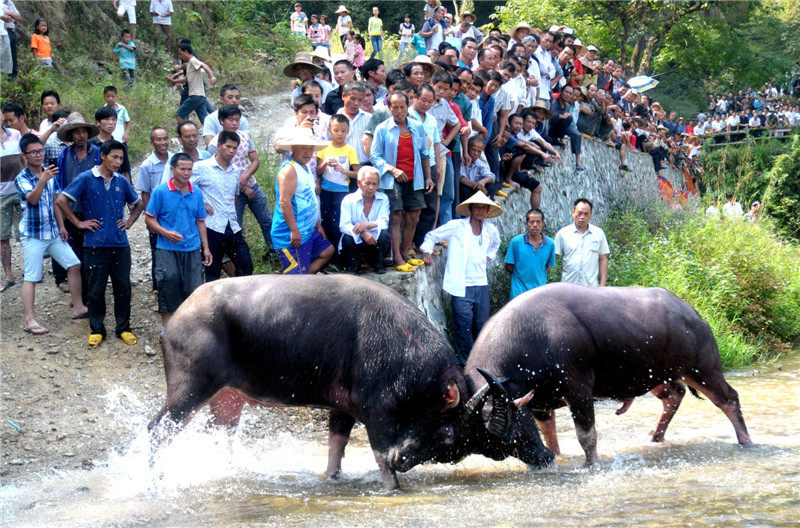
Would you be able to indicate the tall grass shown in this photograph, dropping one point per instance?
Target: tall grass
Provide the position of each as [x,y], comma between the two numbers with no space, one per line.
[742,278]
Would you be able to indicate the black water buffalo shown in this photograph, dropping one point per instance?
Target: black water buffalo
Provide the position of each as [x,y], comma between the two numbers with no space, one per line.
[346,344]
[571,344]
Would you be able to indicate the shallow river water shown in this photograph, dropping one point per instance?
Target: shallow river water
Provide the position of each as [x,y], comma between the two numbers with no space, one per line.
[698,477]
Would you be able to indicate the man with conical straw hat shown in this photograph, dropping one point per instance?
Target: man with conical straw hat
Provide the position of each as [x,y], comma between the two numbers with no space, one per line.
[472,243]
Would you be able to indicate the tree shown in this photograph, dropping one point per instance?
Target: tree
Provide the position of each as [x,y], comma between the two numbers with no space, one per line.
[782,199]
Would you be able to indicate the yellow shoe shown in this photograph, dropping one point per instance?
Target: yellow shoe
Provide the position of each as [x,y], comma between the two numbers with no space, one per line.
[128,338]
[502,194]
[95,339]
[506,184]
[405,268]
[416,262]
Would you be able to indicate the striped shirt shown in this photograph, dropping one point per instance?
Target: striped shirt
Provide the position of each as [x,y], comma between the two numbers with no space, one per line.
[37,221]
[220,188]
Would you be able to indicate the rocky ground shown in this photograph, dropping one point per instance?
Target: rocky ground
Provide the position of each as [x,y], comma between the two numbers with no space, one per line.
[54,408]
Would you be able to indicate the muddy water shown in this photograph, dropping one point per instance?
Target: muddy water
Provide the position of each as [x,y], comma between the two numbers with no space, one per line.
[699,477]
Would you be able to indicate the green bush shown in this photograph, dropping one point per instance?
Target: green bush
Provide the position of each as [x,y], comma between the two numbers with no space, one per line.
[742,278]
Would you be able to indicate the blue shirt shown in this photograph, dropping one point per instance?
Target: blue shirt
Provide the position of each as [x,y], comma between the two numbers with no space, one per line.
[530,264]
[69,167]
[384,151]
[486,104]
[179,212]
[304,206]
[431,127]
[103,201]
[127,58]
[38,221]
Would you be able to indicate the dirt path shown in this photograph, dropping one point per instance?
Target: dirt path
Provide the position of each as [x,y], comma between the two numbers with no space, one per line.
[53,386]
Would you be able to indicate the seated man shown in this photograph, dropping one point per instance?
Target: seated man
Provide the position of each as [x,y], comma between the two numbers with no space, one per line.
[476,176]
[364,224]
[564,123]
[511,159]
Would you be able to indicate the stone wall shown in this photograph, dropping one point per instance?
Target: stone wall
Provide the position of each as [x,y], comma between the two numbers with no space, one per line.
[562,185]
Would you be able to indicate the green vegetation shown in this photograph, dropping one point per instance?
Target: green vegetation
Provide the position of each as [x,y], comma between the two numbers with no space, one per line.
[742,278]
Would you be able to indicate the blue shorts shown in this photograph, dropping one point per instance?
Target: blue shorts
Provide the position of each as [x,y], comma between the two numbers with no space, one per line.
[34,250]
[296,261]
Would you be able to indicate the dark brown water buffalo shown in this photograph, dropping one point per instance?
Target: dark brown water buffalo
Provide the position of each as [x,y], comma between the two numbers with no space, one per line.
[571,344]
[342,343]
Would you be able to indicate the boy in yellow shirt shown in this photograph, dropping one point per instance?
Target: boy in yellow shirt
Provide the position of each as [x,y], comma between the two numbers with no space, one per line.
[337,164]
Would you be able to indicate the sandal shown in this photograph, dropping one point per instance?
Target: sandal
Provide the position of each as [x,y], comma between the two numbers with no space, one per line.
[95,339]
[436,252]
[128,338]
[405,268]
[6,285]
[416,262]
[36,329]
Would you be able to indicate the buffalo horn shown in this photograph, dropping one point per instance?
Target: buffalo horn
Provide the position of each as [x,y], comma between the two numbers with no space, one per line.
[471,417]
[500,420]
[519,403]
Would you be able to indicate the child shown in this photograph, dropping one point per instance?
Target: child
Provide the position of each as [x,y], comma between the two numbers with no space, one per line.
[356,48]
[430,8]
[125,57]
[406,35]
[40,43]
[326,29]
[316,32]
[298,21]
[106,119]
[336,164]
[375,26]
[418,41]
[122,132]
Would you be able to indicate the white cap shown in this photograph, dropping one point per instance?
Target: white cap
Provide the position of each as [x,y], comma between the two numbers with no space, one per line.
[591,47]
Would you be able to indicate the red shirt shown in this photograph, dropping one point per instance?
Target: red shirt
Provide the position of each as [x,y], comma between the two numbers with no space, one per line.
[405,155]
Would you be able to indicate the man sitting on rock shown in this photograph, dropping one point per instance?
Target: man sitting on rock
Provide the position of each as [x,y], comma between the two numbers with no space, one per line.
[364,223]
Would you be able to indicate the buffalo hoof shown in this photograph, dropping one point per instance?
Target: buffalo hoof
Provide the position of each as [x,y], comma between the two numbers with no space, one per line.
[658,438]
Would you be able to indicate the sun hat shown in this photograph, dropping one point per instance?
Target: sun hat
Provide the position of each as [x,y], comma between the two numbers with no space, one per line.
[580,49]
[480,199]
[341,9]
[75,120]
[548,114]
[465,14]
[321,52]
[301,57]
[426,63]
[303,136]
[586,63]
[521,25]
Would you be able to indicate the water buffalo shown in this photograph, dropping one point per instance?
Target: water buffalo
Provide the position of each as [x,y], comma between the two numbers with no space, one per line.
[570,344]
[343,343]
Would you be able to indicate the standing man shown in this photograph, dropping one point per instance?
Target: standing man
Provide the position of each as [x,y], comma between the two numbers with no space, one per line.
[218,179]
[127,7]
[228,95]
[150,173]
[472,243]
[103,194]
[42,231]
[79,157]
[353,94]
[161,11]
[177,215]
[374,72]
[343,73]
[194,79]
[14,117]
[400,153]
[433,29]
[530,255]
[583,248]
[11,164]
[10,17]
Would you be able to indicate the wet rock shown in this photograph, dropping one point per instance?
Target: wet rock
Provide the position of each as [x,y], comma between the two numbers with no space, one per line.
[17,462]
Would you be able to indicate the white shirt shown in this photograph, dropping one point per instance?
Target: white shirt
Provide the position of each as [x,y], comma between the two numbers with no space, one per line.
[581,254]
[353,213]
[547,70]
[163,8]
[732,210]
[467,254]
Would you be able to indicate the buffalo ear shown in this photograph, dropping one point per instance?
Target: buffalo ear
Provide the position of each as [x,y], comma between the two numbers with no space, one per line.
[452,397]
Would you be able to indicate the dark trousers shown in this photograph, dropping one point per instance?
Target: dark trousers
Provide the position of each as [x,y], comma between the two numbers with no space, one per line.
[456,178]
[469,315]
[373,256]
[12,41]
[75,241]
[427,216]
[102,263]
[153,241]
[564,127]
[233,245]
[330,210]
